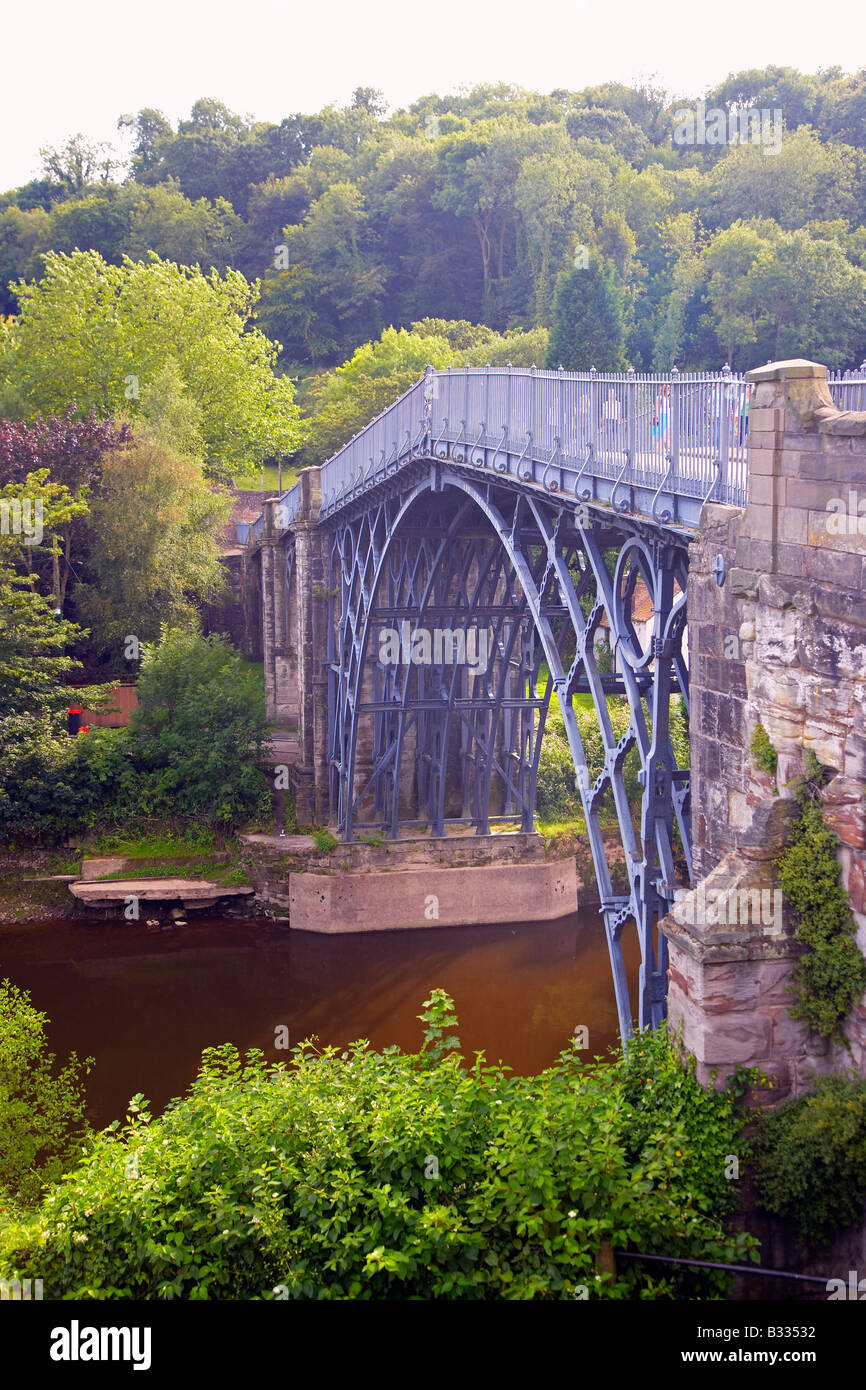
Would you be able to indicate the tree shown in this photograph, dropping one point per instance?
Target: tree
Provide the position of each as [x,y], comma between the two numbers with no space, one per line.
[588,328]
[71,452]
[728,261]
[327,296]
[153,554]
[611,128]
[809,301]
[20,233]
[103,334]
[560,200]
[803,180]
[148,127]
[33,638]
[79,163]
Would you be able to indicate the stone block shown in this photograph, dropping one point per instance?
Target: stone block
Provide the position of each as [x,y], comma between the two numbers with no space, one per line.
[739,814]
[791,559]
[793,526]
[759,523]
[754,555]
[809,494]
[765,418]
[763,461]
[742,1039]
[762,489]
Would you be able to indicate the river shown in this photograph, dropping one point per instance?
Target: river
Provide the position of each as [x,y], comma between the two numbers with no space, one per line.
[145,1004]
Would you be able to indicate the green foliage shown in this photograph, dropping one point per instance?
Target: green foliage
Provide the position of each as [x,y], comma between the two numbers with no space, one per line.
[42,794]
[154,555]
[188,762]
[831,976]
[198,733]
[193,839]
[557,797]
[324,841]
[474,204]
[103,335]
[41,1106]
[764,755]
[439,1015]
[588,328]
[812,1158]
[391,1176]
[45,780]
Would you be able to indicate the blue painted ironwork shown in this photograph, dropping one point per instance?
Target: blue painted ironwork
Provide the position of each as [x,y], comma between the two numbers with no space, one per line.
[438,743]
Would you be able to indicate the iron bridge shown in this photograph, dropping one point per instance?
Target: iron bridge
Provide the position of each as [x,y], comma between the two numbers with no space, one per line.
[540,520]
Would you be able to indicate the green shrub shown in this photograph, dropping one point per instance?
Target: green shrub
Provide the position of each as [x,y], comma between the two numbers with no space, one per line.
[382,1175]
[831,976]
[764,755]
[324,841]
[44,791]
[41,1106]
[812,1158]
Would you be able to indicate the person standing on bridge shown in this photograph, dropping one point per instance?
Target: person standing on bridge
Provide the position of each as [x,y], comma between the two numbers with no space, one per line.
[662,418]
[611,416]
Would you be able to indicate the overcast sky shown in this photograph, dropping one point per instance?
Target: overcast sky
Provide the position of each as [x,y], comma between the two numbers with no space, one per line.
[76,66]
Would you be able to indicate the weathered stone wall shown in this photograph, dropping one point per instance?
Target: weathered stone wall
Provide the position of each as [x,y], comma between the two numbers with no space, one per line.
[295,646]
[781,642]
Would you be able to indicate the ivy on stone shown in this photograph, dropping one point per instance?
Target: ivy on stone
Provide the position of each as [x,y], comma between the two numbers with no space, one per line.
[831,976]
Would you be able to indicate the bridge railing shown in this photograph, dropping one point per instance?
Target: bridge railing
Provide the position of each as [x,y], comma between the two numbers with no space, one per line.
[665,435]
[677,432]
[848,389]
[379,449]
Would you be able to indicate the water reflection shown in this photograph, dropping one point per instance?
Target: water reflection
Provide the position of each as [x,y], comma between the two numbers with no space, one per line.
[144,1005]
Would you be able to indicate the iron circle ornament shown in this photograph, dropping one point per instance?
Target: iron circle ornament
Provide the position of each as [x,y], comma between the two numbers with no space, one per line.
[634,564]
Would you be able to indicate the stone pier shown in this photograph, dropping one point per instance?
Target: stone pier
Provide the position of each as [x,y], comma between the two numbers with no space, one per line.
[780,642]
[295,620]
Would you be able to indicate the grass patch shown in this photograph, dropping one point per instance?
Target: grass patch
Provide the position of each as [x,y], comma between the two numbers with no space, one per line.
[159,844]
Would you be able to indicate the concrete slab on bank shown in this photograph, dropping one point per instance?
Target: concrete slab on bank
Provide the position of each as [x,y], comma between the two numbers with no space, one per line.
[191,892]
[397,900]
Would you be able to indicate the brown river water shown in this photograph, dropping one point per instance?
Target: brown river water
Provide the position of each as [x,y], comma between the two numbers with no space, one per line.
[144,1004]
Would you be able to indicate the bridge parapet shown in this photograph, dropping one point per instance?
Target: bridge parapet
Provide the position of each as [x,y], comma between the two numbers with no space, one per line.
[651,444]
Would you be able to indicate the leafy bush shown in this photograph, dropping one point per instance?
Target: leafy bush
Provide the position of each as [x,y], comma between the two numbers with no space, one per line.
[41,1108]
[384,1175]
[44,792]
[812,1158]
[192,749]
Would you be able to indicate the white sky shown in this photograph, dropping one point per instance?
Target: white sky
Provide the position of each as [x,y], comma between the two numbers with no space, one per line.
[76,66]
